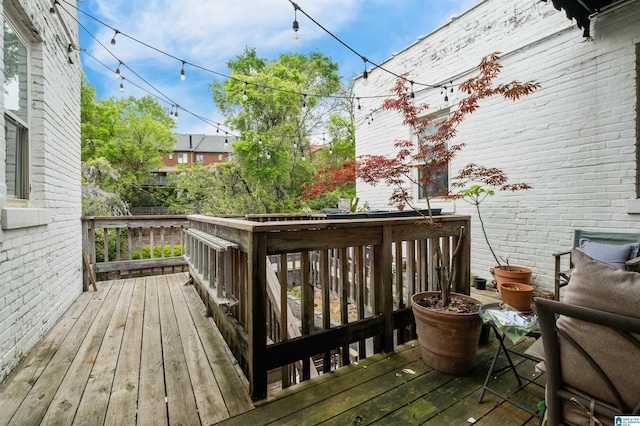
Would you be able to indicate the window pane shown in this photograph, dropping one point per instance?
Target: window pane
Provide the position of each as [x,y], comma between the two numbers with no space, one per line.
[440,178]
[16,160]
[15,73]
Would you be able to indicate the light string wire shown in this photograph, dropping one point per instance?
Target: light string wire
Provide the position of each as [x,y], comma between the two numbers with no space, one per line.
[163,97]
[364,58]
[258,85]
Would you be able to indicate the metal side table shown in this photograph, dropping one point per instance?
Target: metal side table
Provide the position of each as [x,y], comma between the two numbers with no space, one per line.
[534,353]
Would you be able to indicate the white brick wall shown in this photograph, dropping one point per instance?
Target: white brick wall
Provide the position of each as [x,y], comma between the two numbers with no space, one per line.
[574,140]
[40,266]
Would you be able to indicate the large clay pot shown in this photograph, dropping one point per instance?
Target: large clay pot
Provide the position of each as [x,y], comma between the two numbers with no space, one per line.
[448,340]
[511,274]
[517,295]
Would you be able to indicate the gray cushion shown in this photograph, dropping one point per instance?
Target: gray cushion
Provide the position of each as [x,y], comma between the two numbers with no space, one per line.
[600,286]
[613,254]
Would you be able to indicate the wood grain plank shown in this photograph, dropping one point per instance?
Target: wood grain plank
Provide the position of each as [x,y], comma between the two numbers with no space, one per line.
[301,397]
[208,397]
[95,399]
[181,403]
[341,401]
[16,387]
[123,401]
[234,389]
[152,409]
[63,407]
[37,401]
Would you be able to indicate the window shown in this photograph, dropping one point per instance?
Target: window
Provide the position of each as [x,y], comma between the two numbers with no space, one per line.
[219,157]
[440,177]
[16,112]
[182,158]
[171,156]
[199,158]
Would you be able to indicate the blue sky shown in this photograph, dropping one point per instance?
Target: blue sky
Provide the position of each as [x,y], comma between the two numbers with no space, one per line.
[209,33]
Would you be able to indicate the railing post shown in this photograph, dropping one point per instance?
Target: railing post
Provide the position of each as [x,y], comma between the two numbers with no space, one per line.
[383,296]
[257,321]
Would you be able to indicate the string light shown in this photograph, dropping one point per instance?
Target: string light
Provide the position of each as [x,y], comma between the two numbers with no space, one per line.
[295,26]
[358,99]
[122,84]
[53,10]
[412,95]
[113,39]
[304,101]
[118,70]
[365,74]
[226,140]
[245,97]
[182,76]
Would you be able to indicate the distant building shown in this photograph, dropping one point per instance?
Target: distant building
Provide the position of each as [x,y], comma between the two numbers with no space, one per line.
[195,149]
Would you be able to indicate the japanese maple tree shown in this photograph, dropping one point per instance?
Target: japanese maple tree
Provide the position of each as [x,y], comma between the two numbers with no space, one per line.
[432,152]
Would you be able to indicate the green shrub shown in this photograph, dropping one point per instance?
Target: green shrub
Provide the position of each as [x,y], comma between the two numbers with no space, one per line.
[112,245]
[146,250]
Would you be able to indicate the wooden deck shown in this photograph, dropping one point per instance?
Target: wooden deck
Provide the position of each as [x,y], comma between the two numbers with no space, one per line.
[400,389]
[141,351]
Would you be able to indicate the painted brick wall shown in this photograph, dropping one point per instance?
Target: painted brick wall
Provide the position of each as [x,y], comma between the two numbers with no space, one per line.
[40,266]
[574,140]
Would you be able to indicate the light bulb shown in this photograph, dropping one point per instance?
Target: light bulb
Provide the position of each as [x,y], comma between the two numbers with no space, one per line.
[268,155]
[365,78]
[182,76]
[121,87]
[296,30]
[113,39]
[303,157]
[118,72]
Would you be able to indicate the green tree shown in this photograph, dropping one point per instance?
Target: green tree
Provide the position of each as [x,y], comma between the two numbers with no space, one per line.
[276,106]
[130,135]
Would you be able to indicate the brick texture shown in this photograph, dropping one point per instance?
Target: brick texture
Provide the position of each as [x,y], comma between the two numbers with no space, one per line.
[574,140]
[40,266]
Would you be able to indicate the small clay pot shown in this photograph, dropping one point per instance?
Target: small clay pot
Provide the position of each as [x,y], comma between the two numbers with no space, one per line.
[517,295]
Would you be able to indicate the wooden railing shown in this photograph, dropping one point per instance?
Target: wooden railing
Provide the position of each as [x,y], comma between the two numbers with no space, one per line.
[123,246]
[250,273]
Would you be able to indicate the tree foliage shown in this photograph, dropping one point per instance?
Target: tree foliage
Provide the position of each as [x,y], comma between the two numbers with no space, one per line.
[262,101]
[129,135]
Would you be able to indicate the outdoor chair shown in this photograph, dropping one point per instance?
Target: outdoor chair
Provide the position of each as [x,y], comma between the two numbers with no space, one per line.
[615,248]
[592,346]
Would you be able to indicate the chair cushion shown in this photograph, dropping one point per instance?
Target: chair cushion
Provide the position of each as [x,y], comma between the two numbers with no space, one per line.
[600,286]
[613,254]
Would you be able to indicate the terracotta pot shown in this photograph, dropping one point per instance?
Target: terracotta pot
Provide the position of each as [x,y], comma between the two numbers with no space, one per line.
[511,274]
[448,340]
[517,295]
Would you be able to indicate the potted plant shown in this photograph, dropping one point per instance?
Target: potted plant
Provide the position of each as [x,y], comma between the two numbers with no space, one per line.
[448,324]
[475,194]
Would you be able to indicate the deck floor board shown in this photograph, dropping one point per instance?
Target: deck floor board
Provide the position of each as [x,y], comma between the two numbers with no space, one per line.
[142,351]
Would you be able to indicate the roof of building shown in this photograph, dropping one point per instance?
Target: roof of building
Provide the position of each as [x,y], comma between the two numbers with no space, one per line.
[581,10]
[202,143]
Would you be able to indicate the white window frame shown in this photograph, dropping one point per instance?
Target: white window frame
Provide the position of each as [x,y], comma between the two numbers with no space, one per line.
[199,158]
[20,195]
[183,158]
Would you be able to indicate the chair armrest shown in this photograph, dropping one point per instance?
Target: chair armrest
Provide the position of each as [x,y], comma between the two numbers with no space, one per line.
[562,253]
[633,264]
[557,270]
